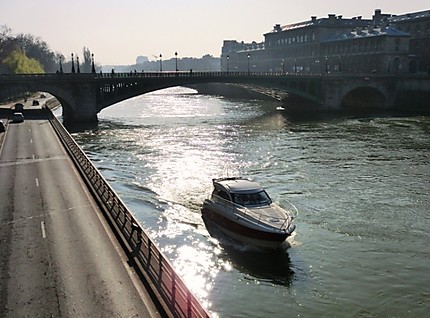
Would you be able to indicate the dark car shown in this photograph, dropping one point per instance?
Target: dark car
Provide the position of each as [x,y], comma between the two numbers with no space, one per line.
[17,117]
[19,107]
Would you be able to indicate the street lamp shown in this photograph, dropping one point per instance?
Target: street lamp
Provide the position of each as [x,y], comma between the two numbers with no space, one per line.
[73,64]
[161,63]
[283,66]
[249,56]
[326,64]
[61,64]
[295,65]
[77,63]
[228,63]
[93,68]
[176,60]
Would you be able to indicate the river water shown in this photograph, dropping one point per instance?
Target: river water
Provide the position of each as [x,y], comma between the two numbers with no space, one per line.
[360,182]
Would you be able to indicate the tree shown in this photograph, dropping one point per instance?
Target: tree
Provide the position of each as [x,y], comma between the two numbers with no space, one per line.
[86,67]
[18,63]
[35,48]
[32,47]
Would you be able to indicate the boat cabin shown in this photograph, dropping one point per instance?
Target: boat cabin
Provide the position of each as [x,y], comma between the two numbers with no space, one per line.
[241,191]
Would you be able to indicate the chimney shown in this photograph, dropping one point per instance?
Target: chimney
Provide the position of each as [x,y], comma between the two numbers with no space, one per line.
[313,18]
[377,17]
[277,28]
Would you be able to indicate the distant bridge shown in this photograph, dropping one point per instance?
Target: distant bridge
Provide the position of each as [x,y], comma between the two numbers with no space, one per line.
[84,95]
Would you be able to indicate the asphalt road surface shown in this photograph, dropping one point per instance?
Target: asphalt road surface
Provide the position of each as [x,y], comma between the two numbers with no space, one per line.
[57,255]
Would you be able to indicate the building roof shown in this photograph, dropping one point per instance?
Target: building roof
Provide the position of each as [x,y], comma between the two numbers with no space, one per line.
[331,21]
[367,33]
[410,16]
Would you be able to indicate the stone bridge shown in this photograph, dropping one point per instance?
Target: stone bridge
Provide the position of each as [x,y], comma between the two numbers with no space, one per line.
[84,95]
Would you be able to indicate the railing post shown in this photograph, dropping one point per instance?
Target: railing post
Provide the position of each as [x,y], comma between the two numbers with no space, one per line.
[189,304]
[173,289]
[149,253]
[160,268]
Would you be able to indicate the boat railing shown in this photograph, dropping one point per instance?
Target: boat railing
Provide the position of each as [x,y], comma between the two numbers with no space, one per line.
[260,218]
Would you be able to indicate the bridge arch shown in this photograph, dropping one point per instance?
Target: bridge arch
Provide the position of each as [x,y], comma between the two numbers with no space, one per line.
[119,87]
[63,94]
[364,95]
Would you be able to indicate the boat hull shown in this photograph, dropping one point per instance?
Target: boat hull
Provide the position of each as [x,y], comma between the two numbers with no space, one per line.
[242,232]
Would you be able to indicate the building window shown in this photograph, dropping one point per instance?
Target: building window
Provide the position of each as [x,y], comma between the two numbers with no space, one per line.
[397,44]
[418,30]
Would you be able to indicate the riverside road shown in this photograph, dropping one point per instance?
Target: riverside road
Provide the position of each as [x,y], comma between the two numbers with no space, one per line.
[58,256]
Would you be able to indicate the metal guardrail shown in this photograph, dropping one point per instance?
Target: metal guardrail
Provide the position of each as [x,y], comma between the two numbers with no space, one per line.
[172,293]
[169,74]
[164,74]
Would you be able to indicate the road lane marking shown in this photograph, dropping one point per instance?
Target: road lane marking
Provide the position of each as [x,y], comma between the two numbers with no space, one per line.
[31,161]
[42,225]
[37,182]
[31,141]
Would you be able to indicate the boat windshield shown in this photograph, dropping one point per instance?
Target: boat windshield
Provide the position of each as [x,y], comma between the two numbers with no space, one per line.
[246,199]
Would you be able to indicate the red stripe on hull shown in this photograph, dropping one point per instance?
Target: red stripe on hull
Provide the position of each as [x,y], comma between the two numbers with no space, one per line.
[241,229]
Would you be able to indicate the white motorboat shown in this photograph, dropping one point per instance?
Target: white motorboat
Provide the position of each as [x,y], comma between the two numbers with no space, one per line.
[243,210]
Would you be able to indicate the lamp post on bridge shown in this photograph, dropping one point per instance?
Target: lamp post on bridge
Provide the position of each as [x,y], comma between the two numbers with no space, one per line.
[93,68]
[249,56]
[283,66]
[77,63]
[176,61]
[73,64]
[61,63]
[161,63]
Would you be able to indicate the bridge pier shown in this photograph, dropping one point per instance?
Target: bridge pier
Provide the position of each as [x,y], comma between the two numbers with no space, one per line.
[87,114]
[79,103]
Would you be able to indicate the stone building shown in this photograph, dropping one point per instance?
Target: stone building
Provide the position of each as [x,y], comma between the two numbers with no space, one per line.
[297,47]
[241,57]
[383,44]
[416,24]
[375,49]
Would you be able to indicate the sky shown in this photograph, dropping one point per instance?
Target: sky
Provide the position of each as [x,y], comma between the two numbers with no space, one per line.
[117,31]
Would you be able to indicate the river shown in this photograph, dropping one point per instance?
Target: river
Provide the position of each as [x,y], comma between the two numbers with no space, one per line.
[360,182]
